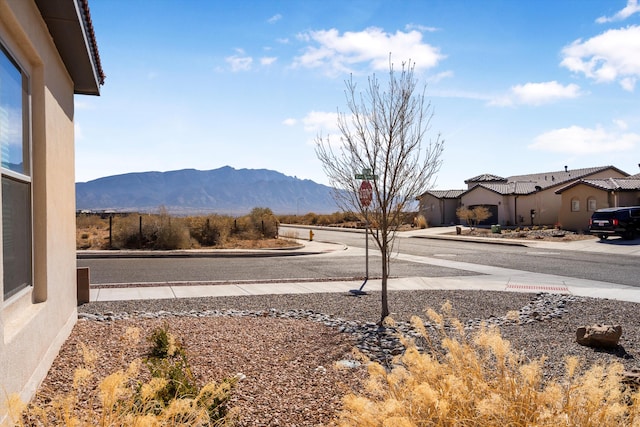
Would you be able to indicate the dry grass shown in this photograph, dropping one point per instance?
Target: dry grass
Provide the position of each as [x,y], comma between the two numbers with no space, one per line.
[479,380]
[158,389]
[259,229]
[287,373]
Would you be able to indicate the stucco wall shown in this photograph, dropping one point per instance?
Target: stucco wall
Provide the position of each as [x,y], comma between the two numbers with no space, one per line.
[35,322]
[482,196]
[579,220]
[431,209]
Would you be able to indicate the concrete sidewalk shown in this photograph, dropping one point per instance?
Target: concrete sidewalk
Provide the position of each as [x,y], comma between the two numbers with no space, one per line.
[523,282]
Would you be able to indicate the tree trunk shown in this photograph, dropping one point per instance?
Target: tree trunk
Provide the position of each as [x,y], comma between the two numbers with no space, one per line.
[385,275]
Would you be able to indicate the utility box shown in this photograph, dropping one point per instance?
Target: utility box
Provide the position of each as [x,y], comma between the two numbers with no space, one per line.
[496,229]
[82,278]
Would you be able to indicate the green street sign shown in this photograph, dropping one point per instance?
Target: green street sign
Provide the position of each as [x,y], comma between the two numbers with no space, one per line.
[366,174]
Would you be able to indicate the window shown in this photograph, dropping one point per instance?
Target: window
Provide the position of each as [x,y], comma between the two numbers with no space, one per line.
[575,205]
[15,159]
[591,204]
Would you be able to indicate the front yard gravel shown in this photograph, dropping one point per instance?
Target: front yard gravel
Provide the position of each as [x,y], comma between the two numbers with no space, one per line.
[287,346]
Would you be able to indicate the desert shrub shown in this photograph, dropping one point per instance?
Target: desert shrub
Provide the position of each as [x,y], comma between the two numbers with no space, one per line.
[261,223]
[125,232]
[170,398]
[159,231]
[168,364]
[265,222]
[164,231]
[212,230]
[310,219]
[88,221]
[473,216]
[420,221]
[478,380]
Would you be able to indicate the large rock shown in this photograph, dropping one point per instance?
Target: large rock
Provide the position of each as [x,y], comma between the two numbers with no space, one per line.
[599,336]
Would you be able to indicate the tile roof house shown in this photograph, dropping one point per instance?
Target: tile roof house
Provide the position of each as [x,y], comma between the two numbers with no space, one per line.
[48,53]
[520,200]
[580,198]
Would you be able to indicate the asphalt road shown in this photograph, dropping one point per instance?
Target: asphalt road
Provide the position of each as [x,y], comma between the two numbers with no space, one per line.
[350,263]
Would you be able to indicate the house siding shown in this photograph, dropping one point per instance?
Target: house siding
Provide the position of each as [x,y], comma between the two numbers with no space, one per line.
[36,321]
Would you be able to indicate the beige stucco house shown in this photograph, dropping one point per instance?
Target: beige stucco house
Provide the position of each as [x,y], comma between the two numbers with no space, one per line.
[521,200]
[48,53]
[582,197]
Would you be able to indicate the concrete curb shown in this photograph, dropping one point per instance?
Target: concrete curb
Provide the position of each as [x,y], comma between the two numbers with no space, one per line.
[470,239]
[212,253]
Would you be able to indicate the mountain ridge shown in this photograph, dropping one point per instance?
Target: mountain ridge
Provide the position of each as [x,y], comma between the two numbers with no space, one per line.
[225,190]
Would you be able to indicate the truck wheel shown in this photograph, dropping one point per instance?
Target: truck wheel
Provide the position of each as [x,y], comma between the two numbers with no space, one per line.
[604,236]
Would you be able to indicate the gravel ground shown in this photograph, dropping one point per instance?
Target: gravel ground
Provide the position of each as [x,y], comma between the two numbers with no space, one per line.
[287,350]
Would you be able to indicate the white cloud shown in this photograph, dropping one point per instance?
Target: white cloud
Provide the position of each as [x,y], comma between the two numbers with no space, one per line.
[268,60]
[611,56]
[289,122]
[440,76]
[421,28]
[275,18]
[319,121]
[631,8]
[621,124]
[340,53]
[240,61]
[580,141]
[537,94]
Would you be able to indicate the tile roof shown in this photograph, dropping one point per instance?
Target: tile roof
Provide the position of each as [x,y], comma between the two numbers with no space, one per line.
[86,15]
[530,183]
[445,194]
[607,184]
[485,178]
[550,179]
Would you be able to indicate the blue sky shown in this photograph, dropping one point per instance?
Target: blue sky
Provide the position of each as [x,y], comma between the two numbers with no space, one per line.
[516,86]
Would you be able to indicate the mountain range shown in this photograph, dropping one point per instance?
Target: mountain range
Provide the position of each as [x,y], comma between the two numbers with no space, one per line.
[189,191]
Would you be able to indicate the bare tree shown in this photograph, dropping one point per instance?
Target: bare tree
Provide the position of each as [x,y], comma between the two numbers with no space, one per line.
[473,216]
[384,134]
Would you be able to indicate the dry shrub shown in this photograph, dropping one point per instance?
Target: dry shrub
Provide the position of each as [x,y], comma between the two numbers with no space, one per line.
[421,222]
[212,230]
[479,380]
[122,399]
[261,223]
[159,231]
[91,231]
[88,221]
[125,232]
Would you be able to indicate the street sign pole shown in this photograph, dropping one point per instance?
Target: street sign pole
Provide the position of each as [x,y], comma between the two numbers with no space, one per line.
[365,194]
[366,245]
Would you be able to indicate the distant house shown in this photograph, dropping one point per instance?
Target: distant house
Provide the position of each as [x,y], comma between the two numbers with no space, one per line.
[48,53]
[439,207]
[582,197]
[521,200]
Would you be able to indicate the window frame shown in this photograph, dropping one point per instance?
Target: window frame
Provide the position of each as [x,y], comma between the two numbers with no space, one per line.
[21,177]
[592,204]
[575,205]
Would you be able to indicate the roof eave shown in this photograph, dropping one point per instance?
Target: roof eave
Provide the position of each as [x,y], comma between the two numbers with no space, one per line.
[72,32]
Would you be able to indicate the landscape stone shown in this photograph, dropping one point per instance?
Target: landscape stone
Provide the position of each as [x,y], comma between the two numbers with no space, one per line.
[599,336]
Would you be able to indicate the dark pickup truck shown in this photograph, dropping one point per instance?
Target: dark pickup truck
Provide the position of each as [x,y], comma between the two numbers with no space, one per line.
[623,221]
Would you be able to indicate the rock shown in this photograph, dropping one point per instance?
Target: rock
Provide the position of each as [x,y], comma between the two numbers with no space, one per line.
[631,379]
[599,336]
[346,363]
